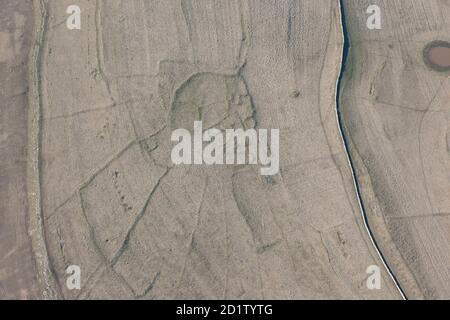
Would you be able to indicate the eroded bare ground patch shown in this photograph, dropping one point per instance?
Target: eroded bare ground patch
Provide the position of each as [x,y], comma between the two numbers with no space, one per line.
[436,55]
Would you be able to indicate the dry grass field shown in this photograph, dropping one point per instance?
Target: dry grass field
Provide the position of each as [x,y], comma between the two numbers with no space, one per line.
[138,226]
[17,277]
[397,115]
[98,188]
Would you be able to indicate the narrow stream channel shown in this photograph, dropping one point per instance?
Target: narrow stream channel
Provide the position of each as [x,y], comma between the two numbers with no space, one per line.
[345,52]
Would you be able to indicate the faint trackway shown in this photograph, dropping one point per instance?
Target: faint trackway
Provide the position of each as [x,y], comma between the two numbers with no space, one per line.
[345,50]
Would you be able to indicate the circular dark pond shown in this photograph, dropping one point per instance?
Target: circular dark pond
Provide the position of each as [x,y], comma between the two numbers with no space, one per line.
[436,55]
